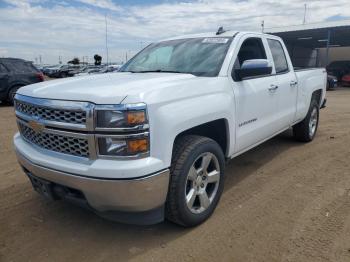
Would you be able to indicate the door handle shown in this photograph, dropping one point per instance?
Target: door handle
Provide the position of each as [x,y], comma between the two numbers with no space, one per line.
[273,88]
[293,83]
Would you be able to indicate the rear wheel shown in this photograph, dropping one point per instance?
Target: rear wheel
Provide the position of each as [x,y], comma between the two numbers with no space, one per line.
[197,179]
[305,131]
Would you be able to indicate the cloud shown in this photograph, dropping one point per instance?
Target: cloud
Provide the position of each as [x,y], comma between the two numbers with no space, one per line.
[30,28]
[106,4]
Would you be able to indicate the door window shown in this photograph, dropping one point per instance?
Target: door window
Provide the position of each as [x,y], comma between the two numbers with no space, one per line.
[278,55]
[252,48]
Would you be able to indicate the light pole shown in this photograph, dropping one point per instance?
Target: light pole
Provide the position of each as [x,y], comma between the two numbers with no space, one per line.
[304,21]
[106,38]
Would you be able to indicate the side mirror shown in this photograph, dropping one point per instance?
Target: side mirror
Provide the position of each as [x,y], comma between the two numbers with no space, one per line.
[251,68]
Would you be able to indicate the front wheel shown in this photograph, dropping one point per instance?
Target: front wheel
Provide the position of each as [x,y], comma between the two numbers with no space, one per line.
[305,131]
[197,179]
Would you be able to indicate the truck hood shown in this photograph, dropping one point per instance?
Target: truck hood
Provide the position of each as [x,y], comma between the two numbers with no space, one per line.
[110,88]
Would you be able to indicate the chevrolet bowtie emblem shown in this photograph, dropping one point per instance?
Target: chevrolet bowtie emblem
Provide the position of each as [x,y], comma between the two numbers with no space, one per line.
[36,126]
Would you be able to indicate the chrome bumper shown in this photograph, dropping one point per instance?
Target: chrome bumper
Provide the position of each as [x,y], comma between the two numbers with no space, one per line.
[105,195]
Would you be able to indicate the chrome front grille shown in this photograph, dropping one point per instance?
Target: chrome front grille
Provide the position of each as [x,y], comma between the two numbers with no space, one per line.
[76,146]
[52,114]
[68,127]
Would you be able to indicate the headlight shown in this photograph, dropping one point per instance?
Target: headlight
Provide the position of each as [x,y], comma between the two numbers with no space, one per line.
[123,116]
[114,146]
[127,127]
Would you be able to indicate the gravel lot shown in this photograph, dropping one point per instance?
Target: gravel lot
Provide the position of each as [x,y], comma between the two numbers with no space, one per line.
[283,201]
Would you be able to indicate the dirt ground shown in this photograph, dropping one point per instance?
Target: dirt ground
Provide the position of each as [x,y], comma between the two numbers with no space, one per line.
[283,201]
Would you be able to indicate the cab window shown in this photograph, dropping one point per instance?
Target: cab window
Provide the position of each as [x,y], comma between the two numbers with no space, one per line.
[278,55]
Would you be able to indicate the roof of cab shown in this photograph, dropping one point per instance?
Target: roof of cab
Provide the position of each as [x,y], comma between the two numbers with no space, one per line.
[229,33]
[208,34]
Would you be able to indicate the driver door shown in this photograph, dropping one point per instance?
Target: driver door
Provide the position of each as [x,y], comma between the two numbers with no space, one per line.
[256,99]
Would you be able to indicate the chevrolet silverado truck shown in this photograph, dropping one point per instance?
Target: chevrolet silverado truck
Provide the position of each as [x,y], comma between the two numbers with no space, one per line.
[151,141]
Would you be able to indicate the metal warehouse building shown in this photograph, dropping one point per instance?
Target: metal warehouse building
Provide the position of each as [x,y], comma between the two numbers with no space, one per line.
[316,45]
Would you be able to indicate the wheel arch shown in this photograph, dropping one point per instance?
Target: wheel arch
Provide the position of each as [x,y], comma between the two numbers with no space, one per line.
[218,130]
[317,95]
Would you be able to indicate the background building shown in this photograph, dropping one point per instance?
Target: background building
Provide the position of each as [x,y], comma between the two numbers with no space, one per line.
[317,44]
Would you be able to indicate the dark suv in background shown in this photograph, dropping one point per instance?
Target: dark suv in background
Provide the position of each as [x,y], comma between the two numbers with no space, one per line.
[15,73]
[339,69]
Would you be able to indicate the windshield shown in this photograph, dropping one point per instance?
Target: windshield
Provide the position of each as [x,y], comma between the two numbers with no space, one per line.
[197,56]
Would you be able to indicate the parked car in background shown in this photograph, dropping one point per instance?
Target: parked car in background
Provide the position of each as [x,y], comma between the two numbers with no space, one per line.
[51,71]
[332,82]
[91,70]
[345,80]
[62,71]
[114,68]
[15,73]
[69,70]
[88,69]
[338,69]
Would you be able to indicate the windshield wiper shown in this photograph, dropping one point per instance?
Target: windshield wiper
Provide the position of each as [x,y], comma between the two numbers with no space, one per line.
[162,71]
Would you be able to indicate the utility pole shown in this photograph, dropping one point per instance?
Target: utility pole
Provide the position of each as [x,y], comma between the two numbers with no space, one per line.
[328,43]
[126,56]
[106,38]
[40,58]
[262,26]
[304,21]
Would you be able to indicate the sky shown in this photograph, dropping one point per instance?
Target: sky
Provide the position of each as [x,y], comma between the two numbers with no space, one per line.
[31,29]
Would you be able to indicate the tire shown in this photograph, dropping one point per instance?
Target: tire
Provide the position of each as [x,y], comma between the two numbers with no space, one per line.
[63,75]
[190,177]
[11,94]
[306,130]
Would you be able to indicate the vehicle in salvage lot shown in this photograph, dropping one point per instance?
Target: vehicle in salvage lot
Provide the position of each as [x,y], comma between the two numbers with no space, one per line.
[332,82]
[151,141]
[62,71]
[339,68]
[345,80]
[15,73]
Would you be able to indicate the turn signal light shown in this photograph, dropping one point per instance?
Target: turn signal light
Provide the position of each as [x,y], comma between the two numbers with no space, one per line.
[138,146]
[136,117]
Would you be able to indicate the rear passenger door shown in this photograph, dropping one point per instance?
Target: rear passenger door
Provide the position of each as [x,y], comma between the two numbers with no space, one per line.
[287,90]
[256,101]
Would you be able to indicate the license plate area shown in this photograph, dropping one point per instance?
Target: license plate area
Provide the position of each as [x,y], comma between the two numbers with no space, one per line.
[42,186]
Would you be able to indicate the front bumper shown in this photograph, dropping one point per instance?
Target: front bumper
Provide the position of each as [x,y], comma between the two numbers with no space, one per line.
[136,201]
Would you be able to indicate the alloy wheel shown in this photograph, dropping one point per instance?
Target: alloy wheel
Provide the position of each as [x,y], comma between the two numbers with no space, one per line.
[202,182]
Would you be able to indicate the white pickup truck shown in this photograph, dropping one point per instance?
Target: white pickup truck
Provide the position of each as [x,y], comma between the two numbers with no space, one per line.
[150,142]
